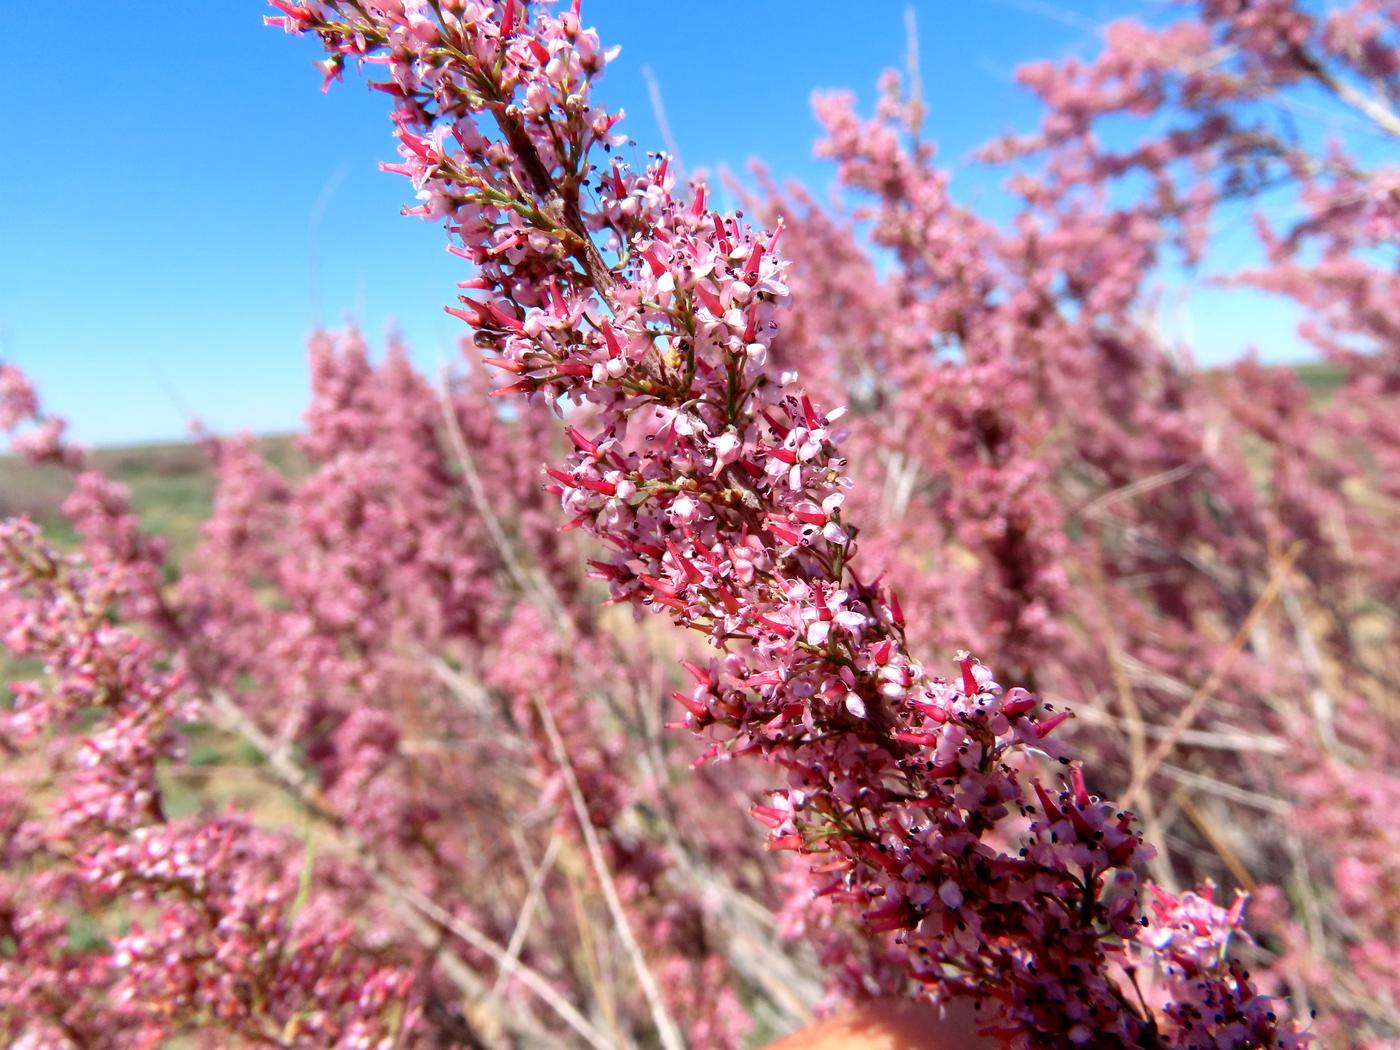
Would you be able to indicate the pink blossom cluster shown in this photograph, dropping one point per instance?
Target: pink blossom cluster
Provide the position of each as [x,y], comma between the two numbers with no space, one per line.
[398,614]
[39,438]
[357,611]
[223,946]
[1210,101]
[720,485]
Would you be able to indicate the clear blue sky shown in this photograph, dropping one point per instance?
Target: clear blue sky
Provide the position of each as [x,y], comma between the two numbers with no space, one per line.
[166,175]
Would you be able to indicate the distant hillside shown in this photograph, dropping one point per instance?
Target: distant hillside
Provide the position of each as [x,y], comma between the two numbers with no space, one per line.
[1322,378]
[171,487]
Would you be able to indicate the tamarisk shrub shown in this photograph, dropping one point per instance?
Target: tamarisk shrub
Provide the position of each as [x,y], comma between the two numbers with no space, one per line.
[719,486]
[1203,565]
[359,621]
[1229,543]
[1182,548]
[1224,140]
[229,942]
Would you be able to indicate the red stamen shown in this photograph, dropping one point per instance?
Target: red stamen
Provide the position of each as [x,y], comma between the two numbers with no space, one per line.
[581,443]
[969,680]
[1045,728]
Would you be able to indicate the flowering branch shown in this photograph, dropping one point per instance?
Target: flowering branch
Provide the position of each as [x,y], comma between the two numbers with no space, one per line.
[719,487]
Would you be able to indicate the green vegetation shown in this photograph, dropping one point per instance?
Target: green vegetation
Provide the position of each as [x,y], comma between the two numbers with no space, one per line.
[171,487]
[1322,378]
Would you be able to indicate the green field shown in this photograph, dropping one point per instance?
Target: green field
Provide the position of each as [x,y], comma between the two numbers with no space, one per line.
[1321,378]
[171,487]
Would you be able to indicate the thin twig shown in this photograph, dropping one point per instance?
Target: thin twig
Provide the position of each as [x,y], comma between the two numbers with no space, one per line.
[527,909]
[416,906]
[1255,799]
[1371,107]
[1208,739]
[530,584]
[1097,506]
[665,1027]
[1207,827]
[1160,865]
[1188,714]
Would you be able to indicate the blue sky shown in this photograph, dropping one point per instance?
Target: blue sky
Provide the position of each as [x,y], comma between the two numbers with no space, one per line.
[179,204]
